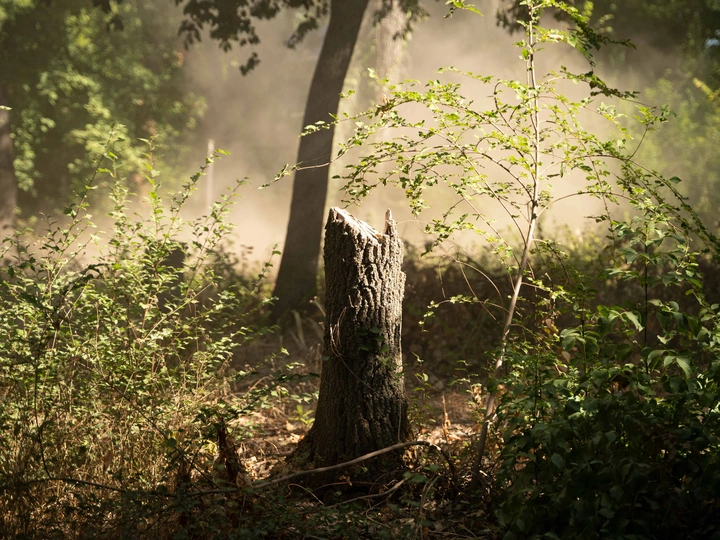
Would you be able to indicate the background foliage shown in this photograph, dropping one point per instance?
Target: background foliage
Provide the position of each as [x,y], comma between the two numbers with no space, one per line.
[72,77]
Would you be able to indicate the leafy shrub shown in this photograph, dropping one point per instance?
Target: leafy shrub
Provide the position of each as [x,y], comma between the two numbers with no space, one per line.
[117,372]
[605,413]
[613,431]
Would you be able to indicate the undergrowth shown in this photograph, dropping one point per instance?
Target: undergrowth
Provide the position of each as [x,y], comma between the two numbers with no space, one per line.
[117,373]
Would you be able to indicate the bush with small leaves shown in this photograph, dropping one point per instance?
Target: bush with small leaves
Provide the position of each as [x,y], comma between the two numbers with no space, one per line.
[118,379]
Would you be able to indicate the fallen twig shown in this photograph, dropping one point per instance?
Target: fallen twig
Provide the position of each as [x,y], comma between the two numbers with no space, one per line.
[267,483]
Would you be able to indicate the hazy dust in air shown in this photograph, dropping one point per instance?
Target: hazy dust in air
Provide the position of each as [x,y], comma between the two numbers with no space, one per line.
[258,118]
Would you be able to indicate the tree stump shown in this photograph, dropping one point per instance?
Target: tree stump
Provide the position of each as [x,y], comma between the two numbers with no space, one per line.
[361,406]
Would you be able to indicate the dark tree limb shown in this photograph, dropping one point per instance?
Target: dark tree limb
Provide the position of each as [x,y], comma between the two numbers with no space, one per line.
[297,276]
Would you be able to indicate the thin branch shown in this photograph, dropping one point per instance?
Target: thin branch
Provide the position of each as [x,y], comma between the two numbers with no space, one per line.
[534,203]
[372,495]
[357,460]
[282,479]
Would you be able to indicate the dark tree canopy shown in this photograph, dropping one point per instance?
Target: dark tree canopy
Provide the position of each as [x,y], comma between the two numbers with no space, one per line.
[234,22]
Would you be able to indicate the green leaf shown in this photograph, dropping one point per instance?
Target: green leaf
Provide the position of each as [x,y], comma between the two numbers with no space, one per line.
[419,479]
[684,364]
[460,4]
[654,357]
[606,512]
[633,318]
[654,354]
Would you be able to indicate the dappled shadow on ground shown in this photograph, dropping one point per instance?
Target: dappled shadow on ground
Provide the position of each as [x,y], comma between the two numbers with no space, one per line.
[422,501]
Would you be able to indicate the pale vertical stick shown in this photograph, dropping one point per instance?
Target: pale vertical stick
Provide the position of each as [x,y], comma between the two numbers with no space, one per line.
[210,185]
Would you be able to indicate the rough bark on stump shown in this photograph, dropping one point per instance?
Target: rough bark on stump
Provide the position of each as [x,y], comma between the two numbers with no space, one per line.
[361,406]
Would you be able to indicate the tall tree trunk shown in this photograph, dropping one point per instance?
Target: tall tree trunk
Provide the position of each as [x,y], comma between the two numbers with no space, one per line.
[389,41]
[297,276]
[362,406]
[8,182]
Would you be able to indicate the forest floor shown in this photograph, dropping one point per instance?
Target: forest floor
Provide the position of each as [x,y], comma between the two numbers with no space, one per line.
[277,430]
[439,414]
